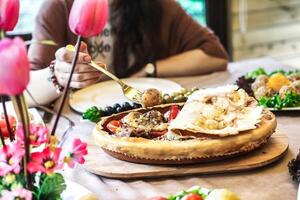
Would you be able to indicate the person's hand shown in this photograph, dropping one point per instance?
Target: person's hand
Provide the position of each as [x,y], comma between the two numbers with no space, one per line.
[84,75]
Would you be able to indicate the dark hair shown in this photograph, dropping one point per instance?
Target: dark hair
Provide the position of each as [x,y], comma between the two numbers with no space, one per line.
[135,25]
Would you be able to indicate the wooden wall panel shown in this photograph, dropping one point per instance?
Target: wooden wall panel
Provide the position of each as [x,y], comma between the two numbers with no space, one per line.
[268,18]
[273,29]
[256,5]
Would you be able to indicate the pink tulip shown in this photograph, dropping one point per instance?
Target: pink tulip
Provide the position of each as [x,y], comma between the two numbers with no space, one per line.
[9,14]
[88,17]
[14,67]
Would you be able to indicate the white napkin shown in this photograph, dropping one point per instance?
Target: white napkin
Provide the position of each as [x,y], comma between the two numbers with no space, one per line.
[74,191]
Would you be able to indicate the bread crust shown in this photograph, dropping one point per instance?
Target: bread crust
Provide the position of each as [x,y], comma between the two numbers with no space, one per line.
[201,149]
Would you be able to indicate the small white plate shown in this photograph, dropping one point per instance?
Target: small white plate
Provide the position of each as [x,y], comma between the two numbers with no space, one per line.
[109,92]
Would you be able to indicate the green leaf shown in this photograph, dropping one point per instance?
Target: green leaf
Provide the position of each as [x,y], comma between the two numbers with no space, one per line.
[255,73]
[193,190]
[291,99]
[93,114]
[51,187]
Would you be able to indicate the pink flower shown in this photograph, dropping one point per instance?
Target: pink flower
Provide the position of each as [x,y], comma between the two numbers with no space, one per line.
[14,67]
[10,157]
[77,154]
[88,17]
[45,161]
[18,193]
[9,14]
[38,134]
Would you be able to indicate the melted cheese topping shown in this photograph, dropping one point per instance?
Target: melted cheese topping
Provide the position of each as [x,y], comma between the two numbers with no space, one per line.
[221,111]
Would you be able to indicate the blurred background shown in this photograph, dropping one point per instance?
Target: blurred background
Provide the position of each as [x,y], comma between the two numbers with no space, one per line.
[247,28]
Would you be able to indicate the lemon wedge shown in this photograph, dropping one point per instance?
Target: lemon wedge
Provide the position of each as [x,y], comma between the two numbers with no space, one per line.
[222,194]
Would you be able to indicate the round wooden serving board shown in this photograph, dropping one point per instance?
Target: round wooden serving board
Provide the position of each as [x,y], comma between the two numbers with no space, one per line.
[98,162]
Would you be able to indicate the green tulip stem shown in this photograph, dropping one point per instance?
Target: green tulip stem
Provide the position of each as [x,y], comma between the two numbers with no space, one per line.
[65,93]
[22,111]
[10,134]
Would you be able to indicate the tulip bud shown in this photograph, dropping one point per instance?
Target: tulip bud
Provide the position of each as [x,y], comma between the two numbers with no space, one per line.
[14,67]
[88,17]
[9,14]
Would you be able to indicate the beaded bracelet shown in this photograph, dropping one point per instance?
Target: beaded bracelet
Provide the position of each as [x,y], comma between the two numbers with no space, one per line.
[52,78]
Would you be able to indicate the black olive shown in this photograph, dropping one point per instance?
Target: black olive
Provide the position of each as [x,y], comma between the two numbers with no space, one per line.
[116,105]
[104,113]
[136,105]
[109,110]
[126,106]
[119,109]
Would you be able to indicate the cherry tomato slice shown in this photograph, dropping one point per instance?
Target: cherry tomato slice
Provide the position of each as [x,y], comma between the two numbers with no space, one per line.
[192,197]
[173,112]
[12,123]
[113,125]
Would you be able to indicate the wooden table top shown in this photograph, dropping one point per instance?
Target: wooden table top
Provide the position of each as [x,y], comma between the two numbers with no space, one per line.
[267,183]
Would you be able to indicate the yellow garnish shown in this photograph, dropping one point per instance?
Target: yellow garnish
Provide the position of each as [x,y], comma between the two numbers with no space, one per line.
[276,81]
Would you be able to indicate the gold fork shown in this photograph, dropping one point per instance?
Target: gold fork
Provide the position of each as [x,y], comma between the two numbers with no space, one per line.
[129,92]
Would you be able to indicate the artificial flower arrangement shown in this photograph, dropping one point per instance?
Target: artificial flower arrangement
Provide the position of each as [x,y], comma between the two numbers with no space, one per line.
[30,156]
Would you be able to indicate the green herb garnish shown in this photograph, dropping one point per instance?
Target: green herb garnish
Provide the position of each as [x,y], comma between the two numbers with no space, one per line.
[256,73]
[291,99]
[194,190]
[286,73]
[93,114]
[260,71]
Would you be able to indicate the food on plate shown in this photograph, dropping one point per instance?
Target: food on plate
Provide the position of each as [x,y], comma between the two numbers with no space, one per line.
[222,111]
[278,89]
[199,193]
[12,122]
[150,124]
[179,96]
[213,124]
[151,97]
[94,114]
[277,81]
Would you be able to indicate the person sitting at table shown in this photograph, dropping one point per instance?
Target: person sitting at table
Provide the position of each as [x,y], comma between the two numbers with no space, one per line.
[138,32]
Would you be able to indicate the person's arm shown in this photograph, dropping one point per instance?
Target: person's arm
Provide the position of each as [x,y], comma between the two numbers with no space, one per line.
[191,62]
[50,24]
[192,49]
